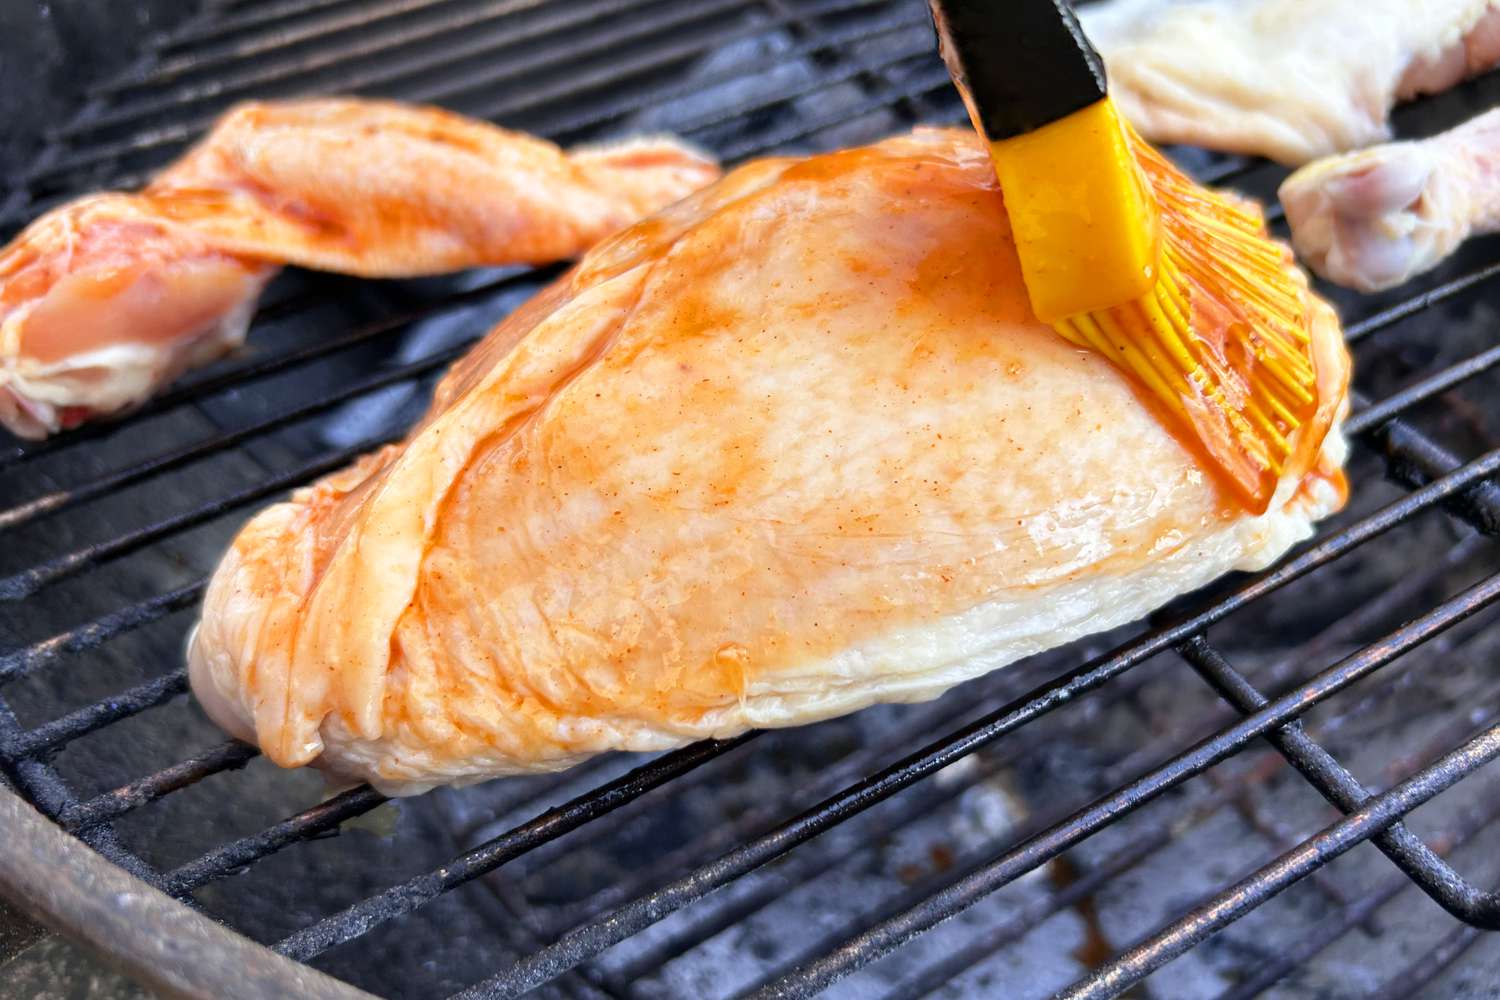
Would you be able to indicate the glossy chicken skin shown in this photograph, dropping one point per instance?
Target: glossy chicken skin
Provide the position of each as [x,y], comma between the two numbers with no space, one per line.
[1289,79]
[791,447]
[105,299]
[387,190]
[1376,218]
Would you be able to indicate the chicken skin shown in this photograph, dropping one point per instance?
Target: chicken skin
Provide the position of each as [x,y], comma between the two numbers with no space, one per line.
[105,299]
[1292,80]
[793,446]
[1373,219]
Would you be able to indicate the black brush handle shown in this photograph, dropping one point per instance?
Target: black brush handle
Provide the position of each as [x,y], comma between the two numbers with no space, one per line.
[1020,64]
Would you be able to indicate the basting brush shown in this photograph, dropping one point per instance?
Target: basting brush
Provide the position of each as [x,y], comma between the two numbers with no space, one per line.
[1122,253]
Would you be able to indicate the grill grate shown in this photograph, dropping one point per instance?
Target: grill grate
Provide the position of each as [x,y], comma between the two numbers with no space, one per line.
[116,525]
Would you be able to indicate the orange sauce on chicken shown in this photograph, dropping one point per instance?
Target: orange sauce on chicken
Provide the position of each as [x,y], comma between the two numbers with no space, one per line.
[1222,348]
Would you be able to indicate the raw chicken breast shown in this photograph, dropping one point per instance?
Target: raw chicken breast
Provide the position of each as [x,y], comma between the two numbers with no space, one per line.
[107,298]
[1373,219]
[1289,79]
[791,447]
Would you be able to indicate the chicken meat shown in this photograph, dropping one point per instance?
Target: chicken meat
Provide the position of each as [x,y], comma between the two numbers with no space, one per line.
[105,299]
[1293,80]
[792,447]
[1373,219]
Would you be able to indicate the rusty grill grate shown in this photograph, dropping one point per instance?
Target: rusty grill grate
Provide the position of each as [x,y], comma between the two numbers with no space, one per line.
[1376,632]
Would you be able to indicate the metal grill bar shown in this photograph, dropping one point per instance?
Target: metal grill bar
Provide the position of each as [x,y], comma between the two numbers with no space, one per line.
[1274,829]
[229,858]
[1124,769]
[27,582]
[852,71]
[21,662]
[547,826]
[1232,168]
[1360,911]
[1143,845]
[227,756]
[805,865]
[604,42]
[225,25]
[881,939]
[1444,885]
[60,500]
[1325,933]
[761,102]
[1355,332]
[469,44]
[1029,917]
[1376,815]
[1373,415]
[1157,838]
[1413,459]
[199,389]
[606,110]
[1319,938]
[305,825]
[16,202]
[46,789]
[536,96]
[923,86]
[756,820]
[462,25]
[798,870]
[211,60]
[133,701]
[1367,616]
[588,941]
[308,823]
[353,921]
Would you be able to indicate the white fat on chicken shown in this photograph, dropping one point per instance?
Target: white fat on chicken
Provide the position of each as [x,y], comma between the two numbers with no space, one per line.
[1292,80]
[1373,219]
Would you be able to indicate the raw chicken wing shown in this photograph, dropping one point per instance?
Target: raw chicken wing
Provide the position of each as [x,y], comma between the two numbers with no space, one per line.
[793,446]
[1372,219]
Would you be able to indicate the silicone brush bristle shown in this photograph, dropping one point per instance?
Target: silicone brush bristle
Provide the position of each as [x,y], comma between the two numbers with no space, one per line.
[1222,342]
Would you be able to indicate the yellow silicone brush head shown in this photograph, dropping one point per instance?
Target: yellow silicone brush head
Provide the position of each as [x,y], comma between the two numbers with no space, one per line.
[1221,343]
[1082,213]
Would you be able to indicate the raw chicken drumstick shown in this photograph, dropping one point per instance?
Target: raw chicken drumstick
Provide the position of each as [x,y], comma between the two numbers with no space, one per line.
[107,298]
[1372,219]
[791,447]
[1289,79]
